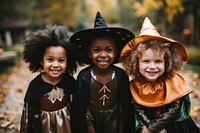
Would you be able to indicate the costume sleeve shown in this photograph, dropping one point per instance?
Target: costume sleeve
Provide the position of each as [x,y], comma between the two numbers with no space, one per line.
[30,120]
[141,114]
[79,105]
[24,119]
[165,118]
[127,109]
[89,117]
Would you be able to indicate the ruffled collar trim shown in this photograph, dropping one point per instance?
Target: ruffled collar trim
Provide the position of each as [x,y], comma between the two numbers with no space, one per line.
[159,93]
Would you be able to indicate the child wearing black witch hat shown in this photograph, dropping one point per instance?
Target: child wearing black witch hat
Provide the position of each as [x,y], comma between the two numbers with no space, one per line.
[102,101]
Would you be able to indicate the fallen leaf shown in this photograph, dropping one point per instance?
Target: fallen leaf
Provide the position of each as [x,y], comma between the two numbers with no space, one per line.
[6,124]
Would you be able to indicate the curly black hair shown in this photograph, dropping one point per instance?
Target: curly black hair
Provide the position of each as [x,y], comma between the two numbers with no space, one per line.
[36,43]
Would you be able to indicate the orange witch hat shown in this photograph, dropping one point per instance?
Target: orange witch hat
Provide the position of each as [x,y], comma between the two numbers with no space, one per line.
[148,32]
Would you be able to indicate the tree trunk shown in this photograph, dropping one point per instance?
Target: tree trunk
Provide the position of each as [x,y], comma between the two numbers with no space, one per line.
[163,20]
[196,39]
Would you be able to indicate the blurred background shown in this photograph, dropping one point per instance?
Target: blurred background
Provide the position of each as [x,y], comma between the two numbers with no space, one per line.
[177,19]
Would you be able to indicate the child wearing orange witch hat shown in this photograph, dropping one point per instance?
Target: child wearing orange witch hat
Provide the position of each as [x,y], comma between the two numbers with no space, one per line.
[160,94]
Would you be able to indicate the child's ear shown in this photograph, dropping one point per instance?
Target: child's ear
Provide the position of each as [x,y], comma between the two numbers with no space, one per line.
[41,62]
[89,54]
[115,53]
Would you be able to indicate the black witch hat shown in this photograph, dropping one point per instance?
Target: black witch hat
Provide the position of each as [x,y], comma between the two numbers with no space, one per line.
[81,39]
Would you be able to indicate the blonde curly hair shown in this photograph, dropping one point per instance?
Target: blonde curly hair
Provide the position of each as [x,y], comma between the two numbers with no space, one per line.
[173,61]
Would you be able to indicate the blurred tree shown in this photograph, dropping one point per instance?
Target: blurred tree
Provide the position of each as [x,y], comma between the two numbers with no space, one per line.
[59,12]
[127,15]
[75,14]
[14,10]
[107,8]
[195,5]
[167,9]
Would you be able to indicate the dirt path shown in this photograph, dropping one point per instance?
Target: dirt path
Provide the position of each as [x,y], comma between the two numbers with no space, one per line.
[194,83]
[13,86]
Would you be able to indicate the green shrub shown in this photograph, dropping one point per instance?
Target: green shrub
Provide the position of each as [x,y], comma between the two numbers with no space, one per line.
[193,55]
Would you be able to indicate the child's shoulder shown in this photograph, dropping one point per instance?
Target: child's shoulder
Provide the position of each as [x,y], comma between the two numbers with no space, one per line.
[36,79]
[84,74]
[85,71]
[32,90]
[119,70]
[68,77]
[118,67]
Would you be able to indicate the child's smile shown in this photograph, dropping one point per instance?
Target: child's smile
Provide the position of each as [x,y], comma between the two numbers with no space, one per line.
[151,64]
[103,62]
[55,71]
[102,53]
[54,62]
[151,72]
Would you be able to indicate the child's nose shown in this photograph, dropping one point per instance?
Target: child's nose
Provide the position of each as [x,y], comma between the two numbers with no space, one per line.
[152,65]
[103,53]
[55,63]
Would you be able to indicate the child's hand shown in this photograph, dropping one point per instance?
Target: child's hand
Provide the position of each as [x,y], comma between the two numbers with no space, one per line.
[90,128]
[163,131]
[144,130]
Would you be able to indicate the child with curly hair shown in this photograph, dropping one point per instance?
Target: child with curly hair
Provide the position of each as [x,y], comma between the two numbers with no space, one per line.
[48,98]
[160,94]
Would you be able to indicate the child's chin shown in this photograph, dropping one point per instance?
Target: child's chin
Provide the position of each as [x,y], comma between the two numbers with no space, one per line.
[151,80]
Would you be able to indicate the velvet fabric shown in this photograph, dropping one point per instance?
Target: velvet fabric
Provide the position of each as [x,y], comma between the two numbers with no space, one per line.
[82,96]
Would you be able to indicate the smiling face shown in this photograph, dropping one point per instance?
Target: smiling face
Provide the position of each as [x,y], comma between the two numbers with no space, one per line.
[151,64]
[54,63]
[102,52]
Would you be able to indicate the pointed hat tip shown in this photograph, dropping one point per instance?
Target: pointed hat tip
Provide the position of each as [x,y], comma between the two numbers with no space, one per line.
[147,22]
[99,21]
[148,28]
[98,15]
[146,19]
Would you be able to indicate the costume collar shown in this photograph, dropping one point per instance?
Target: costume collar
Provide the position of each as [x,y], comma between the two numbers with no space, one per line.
[160,93]
[37,87]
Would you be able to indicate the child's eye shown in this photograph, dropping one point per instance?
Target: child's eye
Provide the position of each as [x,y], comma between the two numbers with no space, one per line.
[96,50]
[159,61]
[49,59]
[109,50]
[145,61]
[61,61]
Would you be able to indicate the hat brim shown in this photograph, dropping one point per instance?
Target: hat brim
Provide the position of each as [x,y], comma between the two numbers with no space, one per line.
[81,39]
[177,45]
